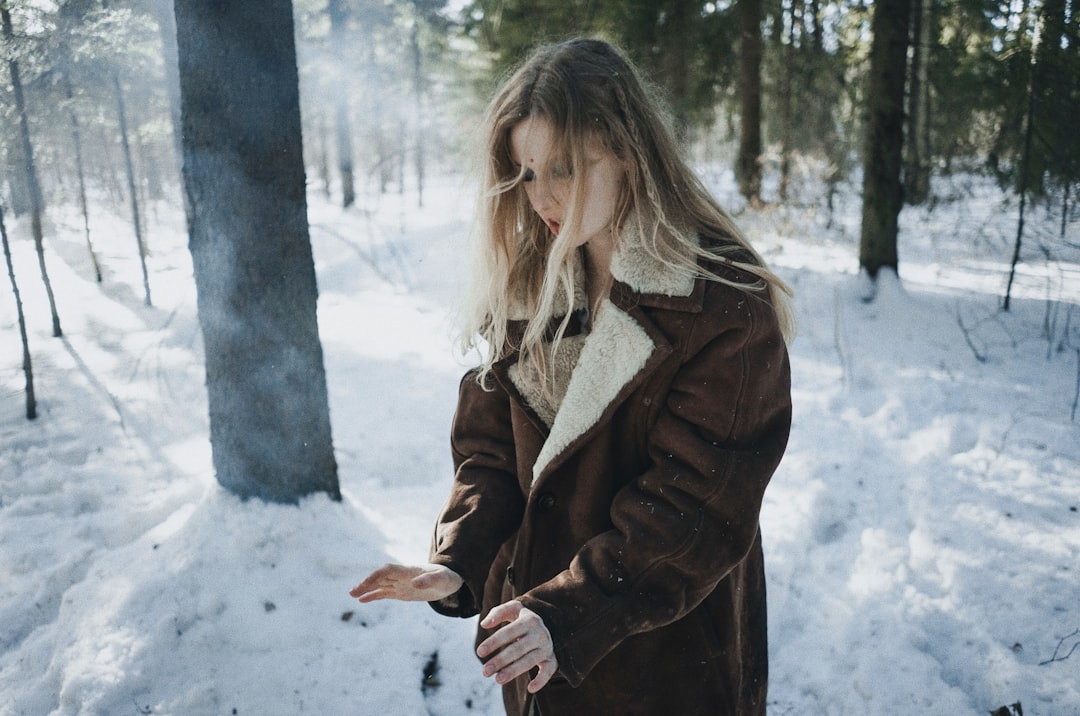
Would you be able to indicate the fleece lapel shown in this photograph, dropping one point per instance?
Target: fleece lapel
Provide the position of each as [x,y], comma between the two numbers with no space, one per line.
[616,355]
[615,351]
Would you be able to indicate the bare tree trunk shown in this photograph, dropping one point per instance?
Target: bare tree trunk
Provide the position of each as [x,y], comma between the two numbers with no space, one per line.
[1025,159]
[251,250]
[338,13]
[80,170]
[28,370]
[121,113]
[917,164]
[36,203]
[786,100]
[748,162]
[882,187]
[322,155]
[167,27]
[1065,209]
[419,123]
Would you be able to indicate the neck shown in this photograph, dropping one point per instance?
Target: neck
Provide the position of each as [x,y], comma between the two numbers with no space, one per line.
[598,277]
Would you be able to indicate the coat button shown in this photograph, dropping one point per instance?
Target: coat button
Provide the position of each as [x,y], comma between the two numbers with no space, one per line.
[546,501]
[510,575]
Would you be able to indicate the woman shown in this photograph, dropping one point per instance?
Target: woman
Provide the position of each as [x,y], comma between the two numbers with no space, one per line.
[612,450]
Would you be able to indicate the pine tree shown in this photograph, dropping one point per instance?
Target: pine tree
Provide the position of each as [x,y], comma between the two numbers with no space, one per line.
[882,187]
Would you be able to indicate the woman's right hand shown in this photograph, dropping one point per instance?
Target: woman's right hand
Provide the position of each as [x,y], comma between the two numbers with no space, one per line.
[428,583]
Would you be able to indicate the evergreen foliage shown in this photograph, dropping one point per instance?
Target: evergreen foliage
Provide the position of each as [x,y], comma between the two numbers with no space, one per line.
[981,59]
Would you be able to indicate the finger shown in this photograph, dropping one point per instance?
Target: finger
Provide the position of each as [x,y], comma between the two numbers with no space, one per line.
[506,612]
[519,667]
[371,585]
[379,577]
[547,669]
[502,638]
[512,652]
[375,595]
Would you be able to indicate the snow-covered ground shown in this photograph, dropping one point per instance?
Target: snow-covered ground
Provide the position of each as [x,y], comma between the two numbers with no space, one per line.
[922,535]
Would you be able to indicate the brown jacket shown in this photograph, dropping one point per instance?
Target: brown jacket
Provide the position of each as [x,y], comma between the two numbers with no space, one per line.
[626,516]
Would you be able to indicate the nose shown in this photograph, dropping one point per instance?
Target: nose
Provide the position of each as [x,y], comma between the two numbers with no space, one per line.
[542,196]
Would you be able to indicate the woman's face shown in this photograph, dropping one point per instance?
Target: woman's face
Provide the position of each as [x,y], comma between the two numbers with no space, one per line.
[547,183]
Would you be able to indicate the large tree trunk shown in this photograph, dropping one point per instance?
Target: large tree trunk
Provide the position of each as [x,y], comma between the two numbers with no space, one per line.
[37,204]
[883,193]
[244,175]
[748,162]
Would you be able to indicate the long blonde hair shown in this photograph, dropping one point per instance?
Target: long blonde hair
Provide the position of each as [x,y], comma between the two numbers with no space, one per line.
[589,92]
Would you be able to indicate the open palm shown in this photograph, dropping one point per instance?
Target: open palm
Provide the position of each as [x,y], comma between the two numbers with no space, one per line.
[427,583]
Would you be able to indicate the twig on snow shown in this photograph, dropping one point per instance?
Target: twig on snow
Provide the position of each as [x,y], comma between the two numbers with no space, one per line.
[1057,648]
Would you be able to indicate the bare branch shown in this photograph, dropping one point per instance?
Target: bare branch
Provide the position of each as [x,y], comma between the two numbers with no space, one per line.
[1057,648]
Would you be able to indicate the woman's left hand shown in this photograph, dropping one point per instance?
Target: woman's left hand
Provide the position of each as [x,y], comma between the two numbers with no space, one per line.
[517,647]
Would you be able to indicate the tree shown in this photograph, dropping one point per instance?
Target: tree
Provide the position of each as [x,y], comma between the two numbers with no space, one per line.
[1046,97]
[338,14]
[129,171]
[254,273]
[917,145]
[682,46]
[37,203]
[882,159]
[28,371]
[748,162]
[163,13]
[80,171]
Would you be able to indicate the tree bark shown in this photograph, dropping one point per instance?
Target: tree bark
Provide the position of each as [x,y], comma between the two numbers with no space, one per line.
[420,122]
[883,156]
[787,79]
[676,31]
[254,272]
[167,27]
[28,371]
[76,139]
[917,163]
[338,19]
[1039,56]
[129,168]
[37,204]
[748,162]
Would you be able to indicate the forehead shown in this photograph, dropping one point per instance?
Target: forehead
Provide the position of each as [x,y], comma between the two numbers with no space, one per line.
[531,141]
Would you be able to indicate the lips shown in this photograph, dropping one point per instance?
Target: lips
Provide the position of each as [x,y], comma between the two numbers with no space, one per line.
[554,225]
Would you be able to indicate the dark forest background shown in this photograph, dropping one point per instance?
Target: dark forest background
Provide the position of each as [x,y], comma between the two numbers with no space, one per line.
[101,105]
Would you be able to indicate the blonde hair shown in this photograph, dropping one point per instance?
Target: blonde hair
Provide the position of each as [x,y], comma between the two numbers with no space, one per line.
[589,92]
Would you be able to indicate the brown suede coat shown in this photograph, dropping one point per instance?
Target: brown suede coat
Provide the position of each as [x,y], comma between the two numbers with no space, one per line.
[626,515]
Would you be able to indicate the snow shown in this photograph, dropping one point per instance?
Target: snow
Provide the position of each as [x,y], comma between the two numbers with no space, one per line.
[922,535]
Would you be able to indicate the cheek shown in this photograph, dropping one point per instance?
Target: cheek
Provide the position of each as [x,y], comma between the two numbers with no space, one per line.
[530,193]
[602,198]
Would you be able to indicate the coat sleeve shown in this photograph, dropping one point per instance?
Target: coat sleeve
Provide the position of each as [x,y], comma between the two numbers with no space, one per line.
[486,504]
[682,525]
